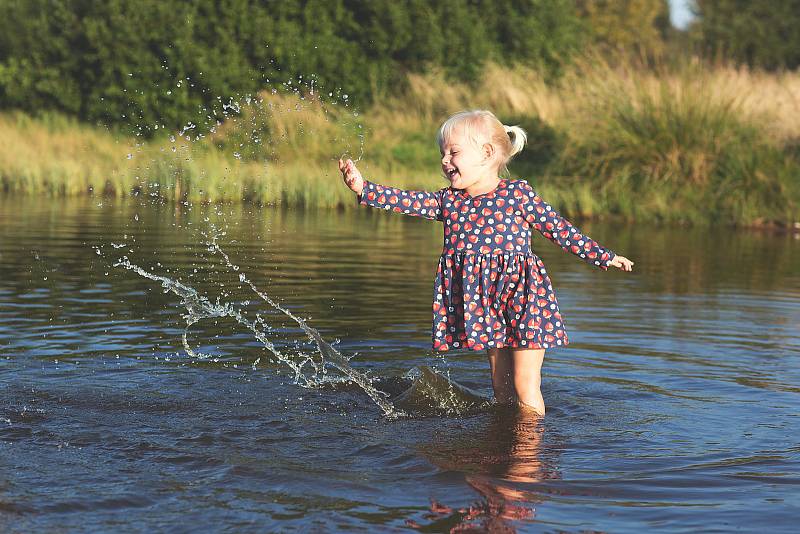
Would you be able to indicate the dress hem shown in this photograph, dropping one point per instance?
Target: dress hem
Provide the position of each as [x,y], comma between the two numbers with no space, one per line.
[499,345]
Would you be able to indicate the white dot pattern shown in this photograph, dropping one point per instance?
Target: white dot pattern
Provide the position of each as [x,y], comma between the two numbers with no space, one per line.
[490,289]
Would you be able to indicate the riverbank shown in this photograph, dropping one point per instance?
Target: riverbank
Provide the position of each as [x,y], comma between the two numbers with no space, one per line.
[688,144]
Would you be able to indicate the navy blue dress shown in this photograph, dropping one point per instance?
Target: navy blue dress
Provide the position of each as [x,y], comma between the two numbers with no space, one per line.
[490,289]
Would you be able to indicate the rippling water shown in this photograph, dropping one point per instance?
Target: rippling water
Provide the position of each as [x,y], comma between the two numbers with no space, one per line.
[675,408]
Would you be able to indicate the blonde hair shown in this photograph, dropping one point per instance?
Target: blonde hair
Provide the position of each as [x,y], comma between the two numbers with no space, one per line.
[481,126]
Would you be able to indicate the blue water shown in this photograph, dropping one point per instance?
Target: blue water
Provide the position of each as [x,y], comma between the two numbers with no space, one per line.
[674,409]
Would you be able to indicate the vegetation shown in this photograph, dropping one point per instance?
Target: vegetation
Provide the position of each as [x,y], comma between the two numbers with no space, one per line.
[758,34]
[218,100]
[146,65]
[638,26]
[691,144]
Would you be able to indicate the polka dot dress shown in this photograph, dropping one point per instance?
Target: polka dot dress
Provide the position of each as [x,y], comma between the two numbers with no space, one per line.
[490,289]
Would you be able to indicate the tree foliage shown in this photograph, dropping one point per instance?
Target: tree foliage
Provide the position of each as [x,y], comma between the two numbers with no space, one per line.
[760,34]
[148,64]
[627,25]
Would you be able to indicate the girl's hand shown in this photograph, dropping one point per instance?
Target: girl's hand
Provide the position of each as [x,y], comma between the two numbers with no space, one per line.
[621,262]
[352,176]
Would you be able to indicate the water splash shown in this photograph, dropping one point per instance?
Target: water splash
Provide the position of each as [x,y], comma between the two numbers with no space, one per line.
[244,138]
[432,392]
[327,351]
[422,391]
[429,390]
[309,371]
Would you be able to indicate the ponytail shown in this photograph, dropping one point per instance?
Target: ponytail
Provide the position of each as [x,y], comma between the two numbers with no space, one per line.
[518,137]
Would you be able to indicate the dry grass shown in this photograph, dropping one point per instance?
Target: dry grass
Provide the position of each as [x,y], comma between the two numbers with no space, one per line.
[622,139]
[49,156]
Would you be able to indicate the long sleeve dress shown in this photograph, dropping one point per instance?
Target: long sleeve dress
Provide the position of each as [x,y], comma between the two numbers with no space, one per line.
[490,289]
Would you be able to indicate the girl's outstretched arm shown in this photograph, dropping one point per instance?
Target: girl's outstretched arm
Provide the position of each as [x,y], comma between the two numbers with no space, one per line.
[546,220]
[425,204]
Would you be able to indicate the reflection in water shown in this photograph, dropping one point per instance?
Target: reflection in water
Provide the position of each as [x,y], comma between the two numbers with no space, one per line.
[677,407]
[505,461]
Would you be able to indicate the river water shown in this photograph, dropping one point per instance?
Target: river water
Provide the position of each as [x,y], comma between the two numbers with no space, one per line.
[675,408]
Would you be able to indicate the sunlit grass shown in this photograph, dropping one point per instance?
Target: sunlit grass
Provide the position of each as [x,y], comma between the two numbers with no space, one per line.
[691,143]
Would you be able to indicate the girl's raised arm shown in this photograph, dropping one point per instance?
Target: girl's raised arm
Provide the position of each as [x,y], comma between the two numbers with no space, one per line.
[417,203]
[427,204]
[559,230]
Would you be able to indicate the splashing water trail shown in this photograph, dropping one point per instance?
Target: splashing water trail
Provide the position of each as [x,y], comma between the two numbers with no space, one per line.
[199,307]
[421,391]
[327,351]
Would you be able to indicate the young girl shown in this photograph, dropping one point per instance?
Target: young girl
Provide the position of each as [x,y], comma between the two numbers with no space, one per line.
[491,291]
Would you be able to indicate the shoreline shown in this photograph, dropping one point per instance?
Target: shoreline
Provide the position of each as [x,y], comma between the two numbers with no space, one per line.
[692,144]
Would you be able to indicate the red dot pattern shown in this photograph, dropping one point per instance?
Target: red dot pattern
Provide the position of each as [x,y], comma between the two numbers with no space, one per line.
[490,289]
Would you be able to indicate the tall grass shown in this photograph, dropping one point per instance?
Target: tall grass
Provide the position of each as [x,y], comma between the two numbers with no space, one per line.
[693,143]
[689,146]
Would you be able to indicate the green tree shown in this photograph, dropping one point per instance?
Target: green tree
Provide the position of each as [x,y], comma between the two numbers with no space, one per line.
[149,64]
[760,34]
[35,75]
[627,25]
[543,33]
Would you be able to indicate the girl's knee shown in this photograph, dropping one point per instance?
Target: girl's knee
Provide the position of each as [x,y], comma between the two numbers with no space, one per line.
[528,384]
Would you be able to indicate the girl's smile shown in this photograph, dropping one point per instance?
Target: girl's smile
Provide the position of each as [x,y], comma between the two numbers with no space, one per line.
[468,166]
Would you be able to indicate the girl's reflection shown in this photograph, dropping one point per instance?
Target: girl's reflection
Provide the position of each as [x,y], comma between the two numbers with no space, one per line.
[506,462]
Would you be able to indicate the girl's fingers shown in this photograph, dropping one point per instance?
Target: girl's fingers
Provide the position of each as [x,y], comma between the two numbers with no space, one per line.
[623,263]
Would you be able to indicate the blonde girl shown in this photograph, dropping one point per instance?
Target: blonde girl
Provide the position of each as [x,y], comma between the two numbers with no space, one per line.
[491,291]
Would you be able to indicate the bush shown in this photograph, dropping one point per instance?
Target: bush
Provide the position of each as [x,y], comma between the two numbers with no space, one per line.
[759,34]
[677,149]
[149,65]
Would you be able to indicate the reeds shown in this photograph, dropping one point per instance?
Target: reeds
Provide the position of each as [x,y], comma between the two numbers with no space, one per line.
[689,146]
[693,143]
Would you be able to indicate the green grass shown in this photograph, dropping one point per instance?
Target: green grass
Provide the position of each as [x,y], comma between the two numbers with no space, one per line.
[689,144]
[677,149]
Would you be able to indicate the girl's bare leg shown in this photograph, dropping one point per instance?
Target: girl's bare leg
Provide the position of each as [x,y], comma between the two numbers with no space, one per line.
[527,366]
[502,371]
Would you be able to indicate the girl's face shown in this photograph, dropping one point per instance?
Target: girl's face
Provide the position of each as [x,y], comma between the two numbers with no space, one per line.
[463,163]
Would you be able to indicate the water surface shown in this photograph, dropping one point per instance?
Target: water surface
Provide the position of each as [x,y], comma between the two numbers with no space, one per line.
[675,408]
